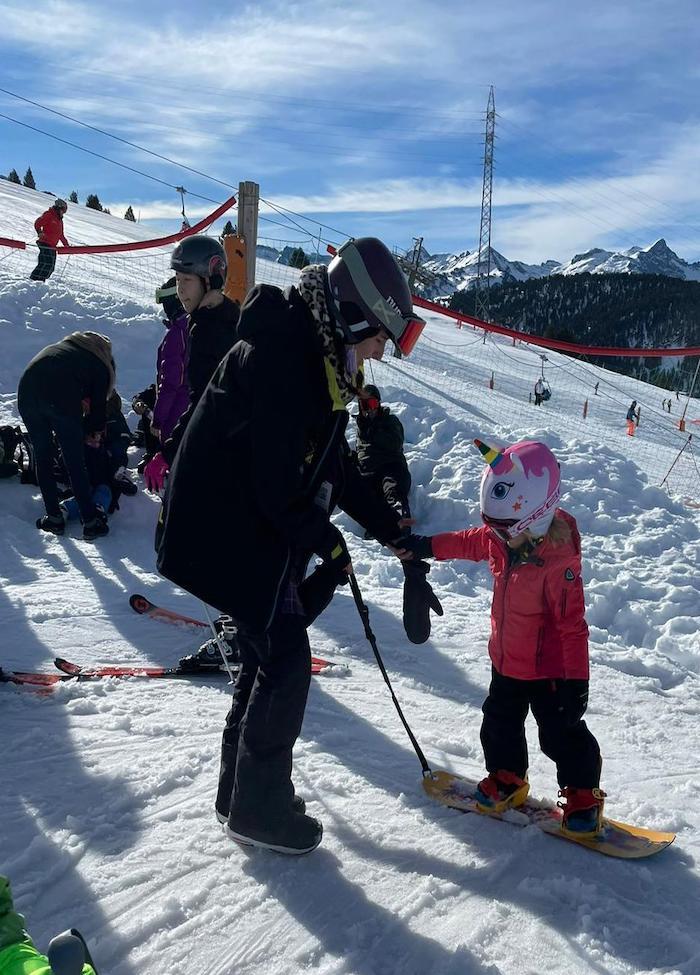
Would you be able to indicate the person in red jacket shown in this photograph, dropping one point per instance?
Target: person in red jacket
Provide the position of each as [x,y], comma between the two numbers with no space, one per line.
[539,637]
[49,227]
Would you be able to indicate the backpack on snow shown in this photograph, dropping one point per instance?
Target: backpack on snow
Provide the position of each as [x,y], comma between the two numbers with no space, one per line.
[17,455]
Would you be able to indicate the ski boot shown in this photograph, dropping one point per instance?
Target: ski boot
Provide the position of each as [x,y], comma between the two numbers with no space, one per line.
[582,813]
[501,790]
[208,657]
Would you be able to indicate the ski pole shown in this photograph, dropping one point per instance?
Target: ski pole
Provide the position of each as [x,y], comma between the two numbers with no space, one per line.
[218,640]
[364,616]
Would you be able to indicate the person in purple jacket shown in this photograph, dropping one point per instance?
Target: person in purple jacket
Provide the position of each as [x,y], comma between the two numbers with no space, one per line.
[172,391]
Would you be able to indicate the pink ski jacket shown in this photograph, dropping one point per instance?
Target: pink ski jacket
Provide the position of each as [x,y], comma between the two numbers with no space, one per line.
[538,626]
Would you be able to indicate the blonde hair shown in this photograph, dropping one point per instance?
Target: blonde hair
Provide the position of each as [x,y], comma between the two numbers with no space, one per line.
[559,531]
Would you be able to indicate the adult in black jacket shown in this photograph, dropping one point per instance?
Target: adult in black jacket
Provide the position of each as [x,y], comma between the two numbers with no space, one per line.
[379,447]
[63,391]
[260,468]
[199,263]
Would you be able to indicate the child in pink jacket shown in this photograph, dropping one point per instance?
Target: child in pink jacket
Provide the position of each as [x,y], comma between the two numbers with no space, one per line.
[539,637]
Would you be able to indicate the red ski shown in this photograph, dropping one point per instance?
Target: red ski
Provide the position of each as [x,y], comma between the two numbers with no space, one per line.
[144,607]
[70,669]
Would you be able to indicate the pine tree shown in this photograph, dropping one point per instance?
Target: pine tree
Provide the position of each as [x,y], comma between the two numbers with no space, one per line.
[73,197]
[298,258]
[93,202]
[229,230]
[129,215]
[13,177]
[29,179]
[106,210]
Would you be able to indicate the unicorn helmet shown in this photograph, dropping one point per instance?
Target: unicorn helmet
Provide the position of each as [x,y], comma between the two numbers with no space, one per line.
[520,488]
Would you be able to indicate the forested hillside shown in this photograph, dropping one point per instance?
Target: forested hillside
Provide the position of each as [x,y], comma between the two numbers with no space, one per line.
[648,310]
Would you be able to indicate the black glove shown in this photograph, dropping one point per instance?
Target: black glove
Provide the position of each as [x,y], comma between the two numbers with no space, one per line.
[573,700]
[316,591]
[333,549]
[421,546]
[418,600]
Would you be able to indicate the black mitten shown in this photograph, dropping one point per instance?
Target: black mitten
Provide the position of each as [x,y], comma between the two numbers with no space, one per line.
[418,600]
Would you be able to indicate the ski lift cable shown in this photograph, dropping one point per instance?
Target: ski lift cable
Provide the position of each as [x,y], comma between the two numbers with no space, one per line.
[111,135]
[99,155]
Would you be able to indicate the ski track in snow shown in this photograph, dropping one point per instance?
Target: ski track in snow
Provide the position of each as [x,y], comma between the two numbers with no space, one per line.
[107,817]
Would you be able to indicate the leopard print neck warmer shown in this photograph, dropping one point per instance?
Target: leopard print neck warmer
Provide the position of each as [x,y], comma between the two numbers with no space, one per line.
[312,288]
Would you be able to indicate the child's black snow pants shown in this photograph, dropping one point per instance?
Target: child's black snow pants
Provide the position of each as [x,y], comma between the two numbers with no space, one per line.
[573,749]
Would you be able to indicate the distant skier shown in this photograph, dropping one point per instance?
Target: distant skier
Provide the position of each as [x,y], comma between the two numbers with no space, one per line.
[632,418]
[49,227]
[539,392]
[595,389]
[539,636]
[66,956]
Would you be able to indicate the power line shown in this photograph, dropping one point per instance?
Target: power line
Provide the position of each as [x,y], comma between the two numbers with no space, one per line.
[111,135]
[99,155]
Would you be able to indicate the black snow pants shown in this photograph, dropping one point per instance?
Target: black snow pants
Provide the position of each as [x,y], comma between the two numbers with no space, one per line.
[269,700]
[393,482]
[42,421]
[573,749]
[46,263]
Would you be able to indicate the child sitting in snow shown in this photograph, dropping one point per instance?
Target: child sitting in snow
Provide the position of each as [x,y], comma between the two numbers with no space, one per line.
[539,637]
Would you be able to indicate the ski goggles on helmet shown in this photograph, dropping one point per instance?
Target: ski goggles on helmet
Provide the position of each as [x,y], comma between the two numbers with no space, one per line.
[165,292]
[380,311]
[368,404]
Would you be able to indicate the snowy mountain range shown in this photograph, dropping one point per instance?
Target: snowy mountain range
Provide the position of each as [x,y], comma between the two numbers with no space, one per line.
[457,272]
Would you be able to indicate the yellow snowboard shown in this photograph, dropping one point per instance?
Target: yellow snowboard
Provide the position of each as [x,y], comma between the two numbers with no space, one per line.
[614,840]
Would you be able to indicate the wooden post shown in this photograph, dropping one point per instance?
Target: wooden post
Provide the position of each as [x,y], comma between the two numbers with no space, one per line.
[585,409]
[248,202]
[491,381]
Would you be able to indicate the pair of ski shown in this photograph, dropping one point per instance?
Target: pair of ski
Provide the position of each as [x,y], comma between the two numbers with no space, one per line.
[71,671]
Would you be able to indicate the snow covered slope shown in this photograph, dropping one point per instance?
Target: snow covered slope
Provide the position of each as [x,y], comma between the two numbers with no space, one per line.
[107,811]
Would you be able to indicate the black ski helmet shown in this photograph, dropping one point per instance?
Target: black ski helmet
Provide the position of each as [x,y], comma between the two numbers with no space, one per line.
[369,292]
[203,256]
[371,392]
[60,204]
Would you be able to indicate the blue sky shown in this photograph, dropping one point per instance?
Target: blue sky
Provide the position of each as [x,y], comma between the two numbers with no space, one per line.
[368,117]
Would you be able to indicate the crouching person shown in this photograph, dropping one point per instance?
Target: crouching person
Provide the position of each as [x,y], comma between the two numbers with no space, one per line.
[64,391]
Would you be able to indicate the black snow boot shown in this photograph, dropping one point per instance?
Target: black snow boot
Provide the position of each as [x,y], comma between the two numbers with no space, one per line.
[298,806]
[50,523]
[295,835]
[97,526]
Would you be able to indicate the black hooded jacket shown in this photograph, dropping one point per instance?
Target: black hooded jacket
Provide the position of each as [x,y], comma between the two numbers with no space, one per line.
[379,441]
[260,467]
[212,332]
[63,375]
